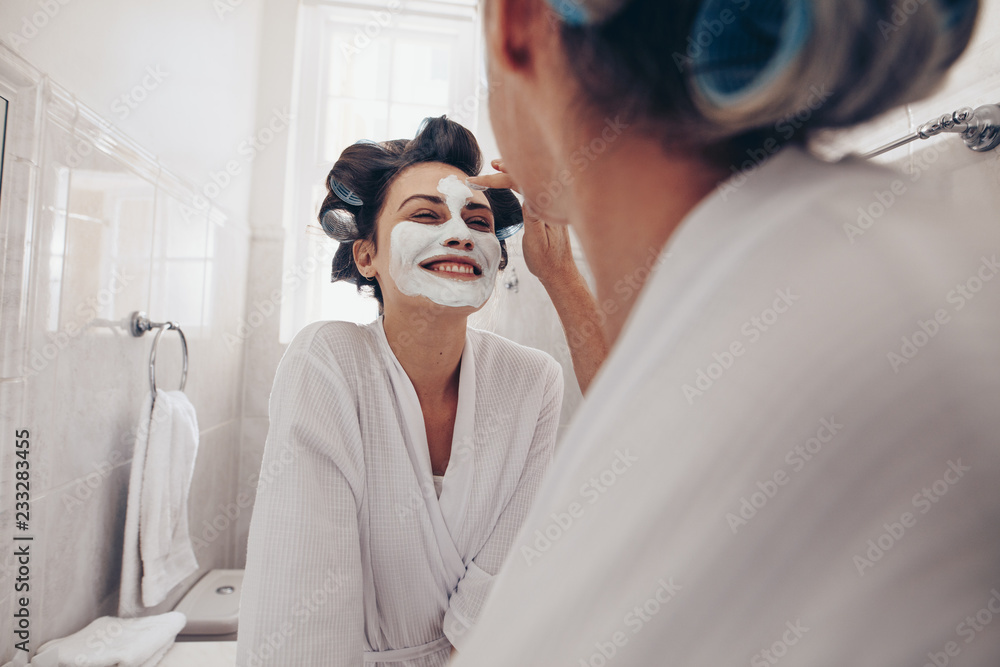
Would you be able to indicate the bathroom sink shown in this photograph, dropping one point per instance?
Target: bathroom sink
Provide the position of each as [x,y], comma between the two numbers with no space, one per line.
[212,607]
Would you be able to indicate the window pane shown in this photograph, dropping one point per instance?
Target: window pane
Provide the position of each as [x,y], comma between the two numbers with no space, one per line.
[372,84]
[421,71]
[405,118]
[350,120]
[358,66]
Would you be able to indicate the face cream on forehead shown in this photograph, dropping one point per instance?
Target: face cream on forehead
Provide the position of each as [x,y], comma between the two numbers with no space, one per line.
[456,194]
[414,243]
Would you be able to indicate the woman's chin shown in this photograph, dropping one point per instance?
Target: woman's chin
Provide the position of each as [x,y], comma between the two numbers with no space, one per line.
[424,308]
[463,310]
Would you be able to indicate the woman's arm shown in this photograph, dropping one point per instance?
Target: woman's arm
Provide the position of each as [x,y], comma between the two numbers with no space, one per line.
[302,598]
[548,255]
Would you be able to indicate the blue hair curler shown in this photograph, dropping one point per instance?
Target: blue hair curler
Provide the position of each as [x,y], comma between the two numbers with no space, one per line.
[509,230]
[571,12]
[955,11]
[738,47]
[345,195]
[340,225]
[422,126]
[579,13]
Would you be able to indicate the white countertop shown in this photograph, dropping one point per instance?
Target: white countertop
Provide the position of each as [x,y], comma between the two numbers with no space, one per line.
[200,654]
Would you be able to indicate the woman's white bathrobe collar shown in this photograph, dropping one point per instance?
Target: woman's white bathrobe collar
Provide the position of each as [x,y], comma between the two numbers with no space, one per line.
[447,512]
[351,555]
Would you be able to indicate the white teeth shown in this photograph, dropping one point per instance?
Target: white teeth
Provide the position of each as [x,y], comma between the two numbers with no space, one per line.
[454,268]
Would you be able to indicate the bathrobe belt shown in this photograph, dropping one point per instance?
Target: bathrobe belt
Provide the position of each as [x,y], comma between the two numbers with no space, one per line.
[411,653]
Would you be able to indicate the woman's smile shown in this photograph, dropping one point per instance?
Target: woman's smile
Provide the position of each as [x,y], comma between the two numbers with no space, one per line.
[453,258]
[451,266]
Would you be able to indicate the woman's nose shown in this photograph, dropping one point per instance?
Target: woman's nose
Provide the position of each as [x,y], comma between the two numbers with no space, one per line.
[455,242]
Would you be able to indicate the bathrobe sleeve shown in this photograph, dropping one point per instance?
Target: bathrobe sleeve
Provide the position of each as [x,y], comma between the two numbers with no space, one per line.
[473,589]
[302,599]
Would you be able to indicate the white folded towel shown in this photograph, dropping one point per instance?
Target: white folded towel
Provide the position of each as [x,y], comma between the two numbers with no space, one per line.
[114,642]
[157,553]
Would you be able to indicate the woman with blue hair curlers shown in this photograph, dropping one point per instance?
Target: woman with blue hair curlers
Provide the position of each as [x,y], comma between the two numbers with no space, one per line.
[790,453]
[403,454]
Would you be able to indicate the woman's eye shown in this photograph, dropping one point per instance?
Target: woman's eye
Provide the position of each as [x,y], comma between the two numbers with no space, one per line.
[481,222]
[424,215]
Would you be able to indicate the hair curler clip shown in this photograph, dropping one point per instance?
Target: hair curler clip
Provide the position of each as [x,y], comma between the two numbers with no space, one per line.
[508,231]
[345,195]
[340,225]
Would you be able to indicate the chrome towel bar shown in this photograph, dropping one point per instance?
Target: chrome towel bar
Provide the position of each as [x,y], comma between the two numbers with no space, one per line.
[980,129]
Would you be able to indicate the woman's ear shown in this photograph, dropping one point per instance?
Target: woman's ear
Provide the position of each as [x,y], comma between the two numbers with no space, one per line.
[512,26]
[364,256]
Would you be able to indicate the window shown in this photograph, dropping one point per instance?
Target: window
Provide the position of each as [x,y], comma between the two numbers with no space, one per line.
[367,70]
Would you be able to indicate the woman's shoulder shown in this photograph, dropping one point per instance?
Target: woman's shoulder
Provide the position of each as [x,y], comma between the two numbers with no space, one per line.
[342,343]
[510,356]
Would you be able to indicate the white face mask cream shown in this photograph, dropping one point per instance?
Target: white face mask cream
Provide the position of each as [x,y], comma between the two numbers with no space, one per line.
[415,243]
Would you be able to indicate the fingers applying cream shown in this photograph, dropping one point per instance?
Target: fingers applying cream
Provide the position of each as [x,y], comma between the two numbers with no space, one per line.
[487,181]
[501,180]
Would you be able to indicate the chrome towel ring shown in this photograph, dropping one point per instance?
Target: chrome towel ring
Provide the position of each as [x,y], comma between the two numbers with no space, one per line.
[139,324]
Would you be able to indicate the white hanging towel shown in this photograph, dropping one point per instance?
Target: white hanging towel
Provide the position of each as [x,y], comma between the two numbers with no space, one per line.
[114,642]
[157,554]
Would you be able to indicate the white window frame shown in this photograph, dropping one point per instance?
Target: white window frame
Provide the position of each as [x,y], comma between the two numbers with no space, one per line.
[308,252]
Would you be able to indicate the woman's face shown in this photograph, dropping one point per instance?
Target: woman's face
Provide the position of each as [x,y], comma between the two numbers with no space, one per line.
[436,241]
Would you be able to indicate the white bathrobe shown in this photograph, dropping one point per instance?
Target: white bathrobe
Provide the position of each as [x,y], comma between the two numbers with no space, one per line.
[352,558]
[792,454]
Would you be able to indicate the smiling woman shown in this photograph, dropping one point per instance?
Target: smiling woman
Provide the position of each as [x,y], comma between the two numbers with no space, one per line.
[441,148]
[409,449]
[434,243]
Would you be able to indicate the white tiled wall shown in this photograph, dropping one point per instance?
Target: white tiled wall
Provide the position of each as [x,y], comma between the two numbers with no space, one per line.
[106,232]
[973,81]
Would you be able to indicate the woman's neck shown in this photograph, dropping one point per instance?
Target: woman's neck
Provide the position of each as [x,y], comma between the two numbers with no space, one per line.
[429,348]
[624,208]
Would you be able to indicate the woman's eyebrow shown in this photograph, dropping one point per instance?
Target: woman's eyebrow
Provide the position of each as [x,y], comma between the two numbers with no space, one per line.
[476,206]
[432,199]
[437,200]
